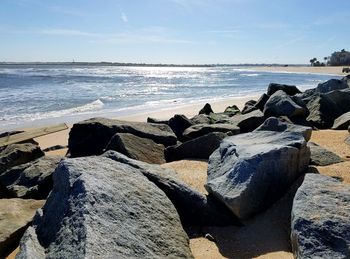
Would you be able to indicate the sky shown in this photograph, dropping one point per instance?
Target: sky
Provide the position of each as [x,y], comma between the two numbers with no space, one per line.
[173,31]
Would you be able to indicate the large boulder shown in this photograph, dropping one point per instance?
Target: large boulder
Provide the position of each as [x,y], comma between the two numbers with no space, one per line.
[199,130]
[275,124]
[142,149]
[100,208]
[206,109]
[15,217]
[321,218]
[16,154]
[331,85]
[251,171]
[249,121]
[342,122]
[179,123]
[260,104]
[90,137]
[32,180]
[281,104]
[341,99]
[194,208]
[321,156]
[200,119]
[288,89]
[198,148]
[249,106]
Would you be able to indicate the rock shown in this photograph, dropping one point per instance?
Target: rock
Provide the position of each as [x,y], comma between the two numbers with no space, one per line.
[90,137]
[199,130]
[331,85]
[342,122]
[251,171]
[157,121]
[206,109]
[288,89]
[100,208]
[210,237]
[280,104]
[321,156]
[346,79]
[262,101]
[53,148]
[142,149]
[16,154]
[341,99]
[32,180]
[194,208]
[219,118]
[198,148]
[200,119]
[278,125]
[178,124]
[15,217]
[249,106]
[323,111]
[232,110]
[249,121]
[321,218]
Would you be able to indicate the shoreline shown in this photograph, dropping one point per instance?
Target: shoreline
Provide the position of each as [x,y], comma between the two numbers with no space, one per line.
[330,70]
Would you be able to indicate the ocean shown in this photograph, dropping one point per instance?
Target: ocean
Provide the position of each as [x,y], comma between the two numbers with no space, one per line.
[45,94]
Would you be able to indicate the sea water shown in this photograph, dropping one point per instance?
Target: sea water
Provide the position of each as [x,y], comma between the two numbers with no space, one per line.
[34,94]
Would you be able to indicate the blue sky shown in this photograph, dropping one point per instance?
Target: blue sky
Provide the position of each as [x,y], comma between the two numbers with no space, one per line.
[173,31]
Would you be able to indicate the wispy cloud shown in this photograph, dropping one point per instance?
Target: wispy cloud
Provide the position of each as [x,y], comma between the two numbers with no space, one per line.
[124,17]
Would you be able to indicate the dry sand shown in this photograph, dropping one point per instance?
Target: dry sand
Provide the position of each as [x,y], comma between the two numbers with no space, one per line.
[301,69]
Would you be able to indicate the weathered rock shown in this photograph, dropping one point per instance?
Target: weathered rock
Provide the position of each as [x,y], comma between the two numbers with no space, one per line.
[280,104]
[342,122]
[275,124]
[178,124]
[346,79]
[249,121]
[331,85]
[321,218]
[288,89]
[219,118]
[260,104]
[321,156]
[32,180]
[102,208]
[194,208]
[232,110]
[15,217]
[341,99]
[16,154]
[157,121]
[55,147]
[199,148]
[142,149]
[206,109]
[249,106]
[90,137]
[251,171]
[199,130]
[200,119]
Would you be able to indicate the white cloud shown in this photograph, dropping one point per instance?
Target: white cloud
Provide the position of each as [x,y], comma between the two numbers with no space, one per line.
[124,17]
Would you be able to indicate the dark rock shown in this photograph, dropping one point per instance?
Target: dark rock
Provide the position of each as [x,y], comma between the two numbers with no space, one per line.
[262,101]
[206,109]
[346,79]
[342,122]
[219,118]
[232,110]
[15,217]
[53,148]
[321,156]
[249,106]
[274,124]
[199,130]
[280,104]
[100,208]
[251,171]
[178,124]
[320,218]
[199,148]
[341,99]
[16,154]
[249,121]
[32,180]
[142,149]
[288,89]
[194,208]
[200,119]
[90,137]
[331,85]
[157,121]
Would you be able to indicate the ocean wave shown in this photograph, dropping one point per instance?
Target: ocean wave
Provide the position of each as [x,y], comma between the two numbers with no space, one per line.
[249,74]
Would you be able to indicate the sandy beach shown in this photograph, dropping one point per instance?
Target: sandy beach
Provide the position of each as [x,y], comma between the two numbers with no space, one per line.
[302,69]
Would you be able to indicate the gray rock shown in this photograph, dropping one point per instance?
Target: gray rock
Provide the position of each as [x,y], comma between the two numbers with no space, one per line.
[100,208]
[341,99]
[232,110]
[200,119]
[32,180]
[15,217]
[249,106]
[178,124]
[260,104]
[275,124]
[157,121]
[331,85]
[90,137]
[280,104]
[16,154]
[342,122]
[249,121]
[206,109]
[288,89]
[199,148]
[321,156]
[251,171]
[142,149]
[194,208]
[321,218]
[199,130]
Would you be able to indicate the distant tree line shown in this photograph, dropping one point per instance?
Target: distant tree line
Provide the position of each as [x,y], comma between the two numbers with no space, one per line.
[338,58]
